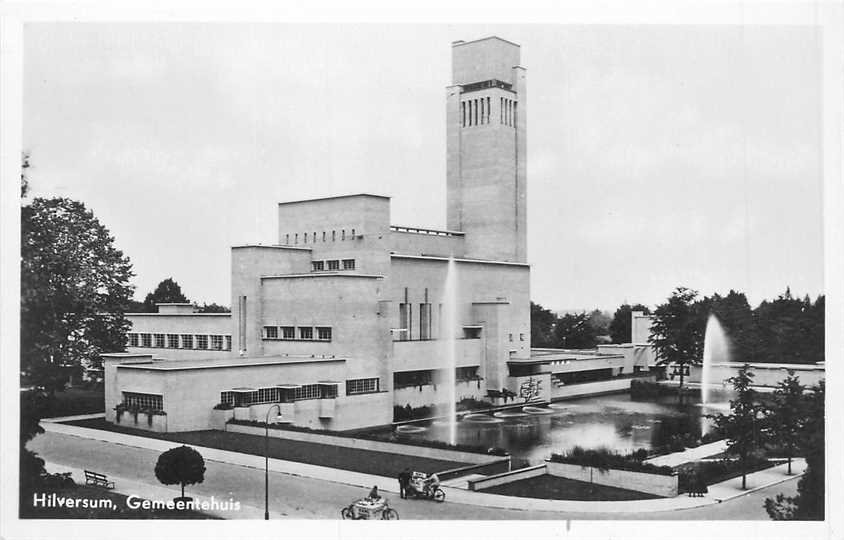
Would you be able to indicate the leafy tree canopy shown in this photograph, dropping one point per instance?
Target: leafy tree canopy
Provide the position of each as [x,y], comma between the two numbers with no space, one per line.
[74,290]
[573,331]
[542,323]
[181,465]
[168,291]
[212,308]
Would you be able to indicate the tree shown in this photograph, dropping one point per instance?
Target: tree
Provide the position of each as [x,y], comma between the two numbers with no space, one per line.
[676,332]
[541,326]
[181,465]
[212,308]
[168,291]
[600,322]
[24,178]
[789,330]
[621,326]
[785,415]
[573,331]
[734,313]
[74,291]
[810,500]
[742,427]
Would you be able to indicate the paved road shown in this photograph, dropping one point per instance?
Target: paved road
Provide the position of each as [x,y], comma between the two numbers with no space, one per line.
[298,497]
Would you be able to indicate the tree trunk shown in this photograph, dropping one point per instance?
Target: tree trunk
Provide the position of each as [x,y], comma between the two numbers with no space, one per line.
[789,464]
[680,390]
[183,490]
[743,480]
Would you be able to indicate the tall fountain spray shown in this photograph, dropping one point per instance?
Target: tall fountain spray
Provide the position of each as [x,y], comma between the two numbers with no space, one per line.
[716,348]
[449,340]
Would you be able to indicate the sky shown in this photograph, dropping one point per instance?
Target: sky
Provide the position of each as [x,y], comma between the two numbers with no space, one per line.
[658,156]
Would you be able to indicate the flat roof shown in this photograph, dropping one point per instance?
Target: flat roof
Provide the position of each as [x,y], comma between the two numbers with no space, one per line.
[179,314]
[335,197]
[551,355]
[272,246]
[179,365]
[461,42]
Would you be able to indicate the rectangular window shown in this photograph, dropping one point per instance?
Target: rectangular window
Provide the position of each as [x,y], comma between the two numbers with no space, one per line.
[324,333]
[217,342]
[404,321]
[172,341]
[511,337]
[227,398]
[159,340]
[146,340]
[407,379]
[334,265]
[287,238]
[201,342]
[308,391]
[271,332]
[463,113]
[521,337]
[143,401]
[425,321]
[323,236]
[306,332]
[361,386]
[228,343]
[348,264]
[288,332]
[318,265]
[133,339]
[466,373]
[187,341]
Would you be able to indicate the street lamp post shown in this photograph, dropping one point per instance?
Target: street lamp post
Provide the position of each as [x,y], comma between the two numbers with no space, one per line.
[267,460]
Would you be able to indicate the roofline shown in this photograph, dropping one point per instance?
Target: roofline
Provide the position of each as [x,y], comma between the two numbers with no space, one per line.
[323,274]
[152,366]
[179,314]
[336,197]
[460,42]
[173,304]
[274,246]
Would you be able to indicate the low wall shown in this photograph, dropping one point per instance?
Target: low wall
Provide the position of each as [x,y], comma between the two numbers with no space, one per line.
[507,477]
[502,465]
[365,444]
[147,422]
[656,484]
[591,388]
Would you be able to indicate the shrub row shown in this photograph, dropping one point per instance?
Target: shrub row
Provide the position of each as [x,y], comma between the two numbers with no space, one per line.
[604,459]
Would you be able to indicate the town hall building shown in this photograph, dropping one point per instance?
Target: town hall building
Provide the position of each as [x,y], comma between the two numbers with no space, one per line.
[347,316]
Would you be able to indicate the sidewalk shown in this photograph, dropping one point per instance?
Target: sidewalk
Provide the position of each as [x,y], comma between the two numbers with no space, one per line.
[730,489]
[690,454]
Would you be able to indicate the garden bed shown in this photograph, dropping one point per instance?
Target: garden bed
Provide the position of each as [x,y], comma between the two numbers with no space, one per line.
[338,457]
[556,488]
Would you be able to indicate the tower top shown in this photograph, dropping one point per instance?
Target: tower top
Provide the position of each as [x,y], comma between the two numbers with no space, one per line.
[489,58]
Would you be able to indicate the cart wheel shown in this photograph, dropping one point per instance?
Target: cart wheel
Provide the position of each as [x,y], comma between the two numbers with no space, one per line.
[346,513]
[439,495]
[389,513]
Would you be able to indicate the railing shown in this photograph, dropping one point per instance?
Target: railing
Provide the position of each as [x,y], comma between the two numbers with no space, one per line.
[491,83]
[418,230]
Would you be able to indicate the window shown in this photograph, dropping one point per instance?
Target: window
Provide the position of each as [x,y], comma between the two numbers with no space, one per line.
[306,332]
[287,332]
[348,264]
[521,337]
[172,341]
[287,238]
[333,236]
[404,321]
[463,113]
[187,341]
[324,333]
[328,391]
[314,237]
[297,238]
[305,238]
[217,342]
[228,346]
[488,109]
[318,265]
[271,332]
[323,236]
[159,340]
[425,321]
[133,340]
[342,234]
[407,379]
[227,398]
[501,112]
[143,401]
[483,110]
[511,337]
[361,386]
[334,265]
[201,342]
[146,340]
[308,391]
[466,373]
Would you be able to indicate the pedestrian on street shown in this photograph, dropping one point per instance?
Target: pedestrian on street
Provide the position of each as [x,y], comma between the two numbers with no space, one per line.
[404,480]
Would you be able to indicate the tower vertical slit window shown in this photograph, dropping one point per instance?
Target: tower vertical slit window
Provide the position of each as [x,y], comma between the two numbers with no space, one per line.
[475,119]
[515,110]
[463,113]
[488,109]
[501,112]
[483,110]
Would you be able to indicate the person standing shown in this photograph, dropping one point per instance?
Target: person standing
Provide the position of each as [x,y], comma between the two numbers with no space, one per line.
[404,481]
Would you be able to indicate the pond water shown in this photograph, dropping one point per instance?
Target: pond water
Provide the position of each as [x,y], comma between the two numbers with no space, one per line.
[615,421]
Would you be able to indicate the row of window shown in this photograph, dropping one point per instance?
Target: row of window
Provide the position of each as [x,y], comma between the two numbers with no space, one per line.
[214,342]
[274,394]
[474,112]
[407,379]
[323,333]
[143,401]
[326,237]
[333,264]
[521,337]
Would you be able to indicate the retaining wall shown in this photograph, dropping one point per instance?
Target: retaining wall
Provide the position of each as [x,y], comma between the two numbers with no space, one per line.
[366,444]
[507,477]
[655,484]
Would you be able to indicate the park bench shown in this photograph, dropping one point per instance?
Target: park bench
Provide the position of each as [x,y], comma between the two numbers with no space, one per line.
[97,479]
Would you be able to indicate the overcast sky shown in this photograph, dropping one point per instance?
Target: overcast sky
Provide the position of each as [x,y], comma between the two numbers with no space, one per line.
[658,156]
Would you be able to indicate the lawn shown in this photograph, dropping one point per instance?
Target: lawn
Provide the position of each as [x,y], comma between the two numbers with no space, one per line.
[75,401]
[338,457]
[564,489]
[115,509]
